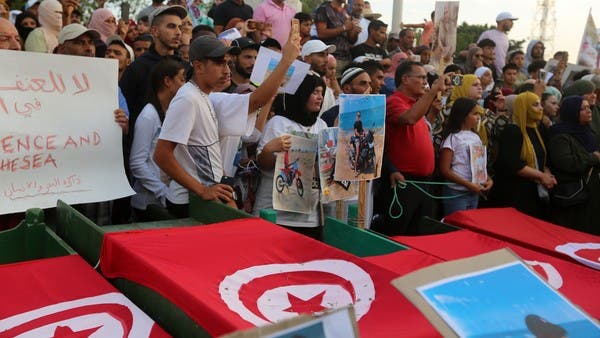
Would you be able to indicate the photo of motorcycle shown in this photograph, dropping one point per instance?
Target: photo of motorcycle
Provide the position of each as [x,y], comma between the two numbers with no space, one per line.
[366,153]
[287,175]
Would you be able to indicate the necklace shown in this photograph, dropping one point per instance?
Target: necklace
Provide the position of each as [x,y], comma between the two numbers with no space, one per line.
[206,100]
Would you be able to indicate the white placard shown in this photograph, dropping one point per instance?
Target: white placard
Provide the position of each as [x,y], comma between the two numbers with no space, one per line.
[58,137]
[267,60]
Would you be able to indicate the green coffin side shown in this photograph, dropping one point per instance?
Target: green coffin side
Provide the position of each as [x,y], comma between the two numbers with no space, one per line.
[31,239]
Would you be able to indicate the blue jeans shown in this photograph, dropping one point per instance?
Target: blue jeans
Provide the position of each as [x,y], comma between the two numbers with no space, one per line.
[467,201]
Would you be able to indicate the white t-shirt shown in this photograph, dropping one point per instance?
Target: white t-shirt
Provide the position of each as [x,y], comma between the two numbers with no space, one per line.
[276,127]
[191,122]
[232,125]
[461,160]
[501,40]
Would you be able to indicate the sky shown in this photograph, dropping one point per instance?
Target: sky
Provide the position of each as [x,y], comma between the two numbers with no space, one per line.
[571,16]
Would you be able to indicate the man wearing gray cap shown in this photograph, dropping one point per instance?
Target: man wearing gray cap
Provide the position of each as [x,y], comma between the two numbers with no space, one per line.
[504,22]
[76,39]
[188,148]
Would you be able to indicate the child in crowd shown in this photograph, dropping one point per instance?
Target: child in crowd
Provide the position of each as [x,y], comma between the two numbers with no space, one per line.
[456,161]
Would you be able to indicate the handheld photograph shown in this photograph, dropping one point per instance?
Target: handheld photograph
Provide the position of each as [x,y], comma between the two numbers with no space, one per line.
[292,180]
[360,137]
[332,190]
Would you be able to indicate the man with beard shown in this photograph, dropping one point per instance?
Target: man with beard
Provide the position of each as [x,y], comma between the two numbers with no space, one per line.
[315,53]
[242,63]
[504,22]
[165,27]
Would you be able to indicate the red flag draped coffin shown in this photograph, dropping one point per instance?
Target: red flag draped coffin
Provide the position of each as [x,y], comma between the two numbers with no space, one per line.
[244,273]
[512,226]
[65,297]
[577,282]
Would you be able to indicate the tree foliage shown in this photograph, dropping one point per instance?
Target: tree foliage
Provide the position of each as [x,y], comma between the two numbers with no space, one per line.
[466,34]
[308,6]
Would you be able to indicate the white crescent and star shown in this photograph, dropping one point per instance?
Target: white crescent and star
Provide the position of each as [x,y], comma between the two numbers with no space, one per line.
[287,301]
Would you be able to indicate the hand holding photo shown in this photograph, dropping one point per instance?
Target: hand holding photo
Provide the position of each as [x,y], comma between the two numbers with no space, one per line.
[267,60]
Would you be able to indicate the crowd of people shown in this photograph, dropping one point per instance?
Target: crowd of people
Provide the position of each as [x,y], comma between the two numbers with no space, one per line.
[193,121]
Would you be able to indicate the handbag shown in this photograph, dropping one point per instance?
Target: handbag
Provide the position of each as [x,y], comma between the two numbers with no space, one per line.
[571,193]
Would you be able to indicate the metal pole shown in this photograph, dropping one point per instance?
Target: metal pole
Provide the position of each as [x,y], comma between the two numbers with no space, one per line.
[396,16]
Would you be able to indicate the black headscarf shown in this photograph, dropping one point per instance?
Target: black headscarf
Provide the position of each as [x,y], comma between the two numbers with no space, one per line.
[570,109]
[24,31]
[294,106]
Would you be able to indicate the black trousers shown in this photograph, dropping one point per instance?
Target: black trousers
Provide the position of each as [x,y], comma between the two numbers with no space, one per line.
[415,205]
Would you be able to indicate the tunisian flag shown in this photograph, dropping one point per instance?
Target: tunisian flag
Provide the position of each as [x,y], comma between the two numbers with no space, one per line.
[510,225]
[244,273]
[578,283]
[65,297]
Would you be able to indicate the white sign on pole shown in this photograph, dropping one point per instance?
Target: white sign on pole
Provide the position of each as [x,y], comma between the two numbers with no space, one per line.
[58,137]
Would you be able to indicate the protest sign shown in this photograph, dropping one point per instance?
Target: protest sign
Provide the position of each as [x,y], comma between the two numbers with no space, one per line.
[58,137]
[589,49]
[476,297]
[360,138]
[267,60]
[444,34]
[332,190]
[293,176]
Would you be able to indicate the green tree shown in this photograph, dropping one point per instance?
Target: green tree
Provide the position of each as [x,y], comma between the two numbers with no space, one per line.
[466,34]
[308,6]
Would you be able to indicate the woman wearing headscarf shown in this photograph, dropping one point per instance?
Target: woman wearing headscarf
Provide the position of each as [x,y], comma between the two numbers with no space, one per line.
[522,177]
[471,89]
[294,113]
[25,24]
[45,38]
[474,60]
[485,75]
[103,21]
[574,156]
[587,89]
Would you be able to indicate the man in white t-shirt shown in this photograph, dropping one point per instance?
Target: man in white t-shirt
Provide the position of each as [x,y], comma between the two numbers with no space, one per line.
[188,147]
[499,35]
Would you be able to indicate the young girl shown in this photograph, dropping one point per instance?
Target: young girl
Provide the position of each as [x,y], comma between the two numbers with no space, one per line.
[455,157]
[165,79]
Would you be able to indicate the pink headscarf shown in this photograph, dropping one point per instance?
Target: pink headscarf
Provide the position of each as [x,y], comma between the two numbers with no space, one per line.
[97,22]
[50,17]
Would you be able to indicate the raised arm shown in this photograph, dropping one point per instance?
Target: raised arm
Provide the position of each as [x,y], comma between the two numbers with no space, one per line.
[269,87]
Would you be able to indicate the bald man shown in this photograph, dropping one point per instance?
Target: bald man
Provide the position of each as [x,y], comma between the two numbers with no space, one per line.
[9,37]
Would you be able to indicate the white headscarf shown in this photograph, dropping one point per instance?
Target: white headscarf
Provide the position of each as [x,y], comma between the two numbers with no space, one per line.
[50,18]
[479,73]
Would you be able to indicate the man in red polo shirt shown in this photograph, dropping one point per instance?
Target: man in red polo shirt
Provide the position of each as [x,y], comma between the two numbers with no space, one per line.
[408,152]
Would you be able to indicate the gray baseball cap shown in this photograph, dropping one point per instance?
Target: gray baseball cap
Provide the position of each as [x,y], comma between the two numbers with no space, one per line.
[180,11]
[208,47]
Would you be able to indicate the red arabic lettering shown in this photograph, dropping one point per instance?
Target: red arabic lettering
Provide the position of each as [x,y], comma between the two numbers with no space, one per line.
[54,186]
[27,108]
[3,106]
[78,84]
[54,84]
